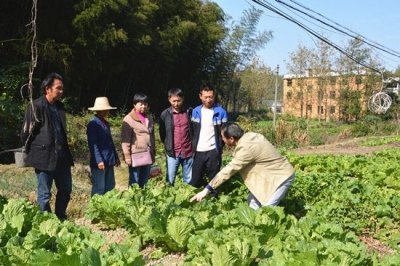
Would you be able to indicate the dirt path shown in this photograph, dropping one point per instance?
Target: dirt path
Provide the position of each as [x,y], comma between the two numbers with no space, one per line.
[347,147]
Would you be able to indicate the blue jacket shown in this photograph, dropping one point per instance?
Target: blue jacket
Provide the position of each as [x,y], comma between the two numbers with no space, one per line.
[220,117]
[101,145]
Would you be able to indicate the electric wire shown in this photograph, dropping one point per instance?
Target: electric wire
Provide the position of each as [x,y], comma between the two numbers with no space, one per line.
[355,35]
[379,102]
[375,47]
[314,33]
[359,36]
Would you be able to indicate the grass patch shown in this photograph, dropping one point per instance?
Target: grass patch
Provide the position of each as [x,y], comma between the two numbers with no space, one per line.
[17,182]
[21,182]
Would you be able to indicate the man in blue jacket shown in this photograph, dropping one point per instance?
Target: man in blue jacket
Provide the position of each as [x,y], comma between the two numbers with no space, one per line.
[103,155]
[44,137]
[207,120]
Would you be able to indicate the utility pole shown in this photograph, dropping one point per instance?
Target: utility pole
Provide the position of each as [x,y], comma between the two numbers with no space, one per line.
[276,93]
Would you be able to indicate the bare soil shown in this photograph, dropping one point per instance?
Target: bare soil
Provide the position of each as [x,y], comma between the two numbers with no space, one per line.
[346,147]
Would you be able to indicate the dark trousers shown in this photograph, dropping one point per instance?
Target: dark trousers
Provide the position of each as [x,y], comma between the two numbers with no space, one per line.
[102,180]
[63,181]
[139,175]
[207,162]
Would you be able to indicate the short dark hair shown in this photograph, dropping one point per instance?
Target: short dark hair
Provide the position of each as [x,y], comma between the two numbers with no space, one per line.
[207,87]
[232,130]
[49,80]
[175,92]
[140,97]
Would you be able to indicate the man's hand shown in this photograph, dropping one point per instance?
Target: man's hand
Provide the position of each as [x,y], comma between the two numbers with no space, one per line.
[199,196]
[101,166]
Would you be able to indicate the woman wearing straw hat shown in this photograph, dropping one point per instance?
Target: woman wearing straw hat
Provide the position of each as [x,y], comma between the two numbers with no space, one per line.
[103,155]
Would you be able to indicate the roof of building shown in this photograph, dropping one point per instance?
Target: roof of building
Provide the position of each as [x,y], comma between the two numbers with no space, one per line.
[309,74]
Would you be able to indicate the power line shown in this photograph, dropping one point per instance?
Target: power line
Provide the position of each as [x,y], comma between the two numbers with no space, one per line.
[356,35]
[376,48]
[315,34]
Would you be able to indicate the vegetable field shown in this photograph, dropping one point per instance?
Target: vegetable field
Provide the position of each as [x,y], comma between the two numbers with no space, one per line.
[335,201]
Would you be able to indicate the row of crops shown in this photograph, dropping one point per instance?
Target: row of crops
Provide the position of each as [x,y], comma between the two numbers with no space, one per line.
[334,201]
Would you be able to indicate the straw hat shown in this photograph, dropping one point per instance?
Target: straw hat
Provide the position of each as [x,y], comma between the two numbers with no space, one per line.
[100,104]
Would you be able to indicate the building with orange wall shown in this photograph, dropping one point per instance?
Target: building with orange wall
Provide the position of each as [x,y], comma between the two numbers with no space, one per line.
[332,96]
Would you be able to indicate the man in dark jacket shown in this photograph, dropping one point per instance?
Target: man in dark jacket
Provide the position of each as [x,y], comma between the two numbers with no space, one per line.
[44,137]
[176,134]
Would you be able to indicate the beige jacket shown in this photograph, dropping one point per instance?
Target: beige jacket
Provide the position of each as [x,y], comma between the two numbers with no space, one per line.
[137,137]
[262,168]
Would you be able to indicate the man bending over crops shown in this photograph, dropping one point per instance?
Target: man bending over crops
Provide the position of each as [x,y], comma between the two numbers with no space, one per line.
[266,173]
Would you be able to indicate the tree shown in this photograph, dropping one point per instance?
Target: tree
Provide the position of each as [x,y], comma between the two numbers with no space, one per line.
[169,44]
[350,104]
[367,80]
[240,47]
[257,84]
[111,48]
[301,65]
[397,72]
[322,68]
[317,65]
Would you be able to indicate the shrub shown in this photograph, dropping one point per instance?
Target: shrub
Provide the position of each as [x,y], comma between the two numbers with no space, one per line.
[389,128]
[317,140]
[360,129]
[11,116]
[76,126]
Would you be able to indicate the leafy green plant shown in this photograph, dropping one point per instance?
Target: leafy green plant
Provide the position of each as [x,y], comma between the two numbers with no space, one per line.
[30,237]
[338,194]
[349,190]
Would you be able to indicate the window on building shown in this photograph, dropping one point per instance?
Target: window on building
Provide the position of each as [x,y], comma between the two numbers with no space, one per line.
[345,81]
[320,95]
[289,82]
[332,109]
[309,107]
[320,109]
[333,80]
[309,89]
[289,95]
[358,80]
[299,95]
[332,94]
